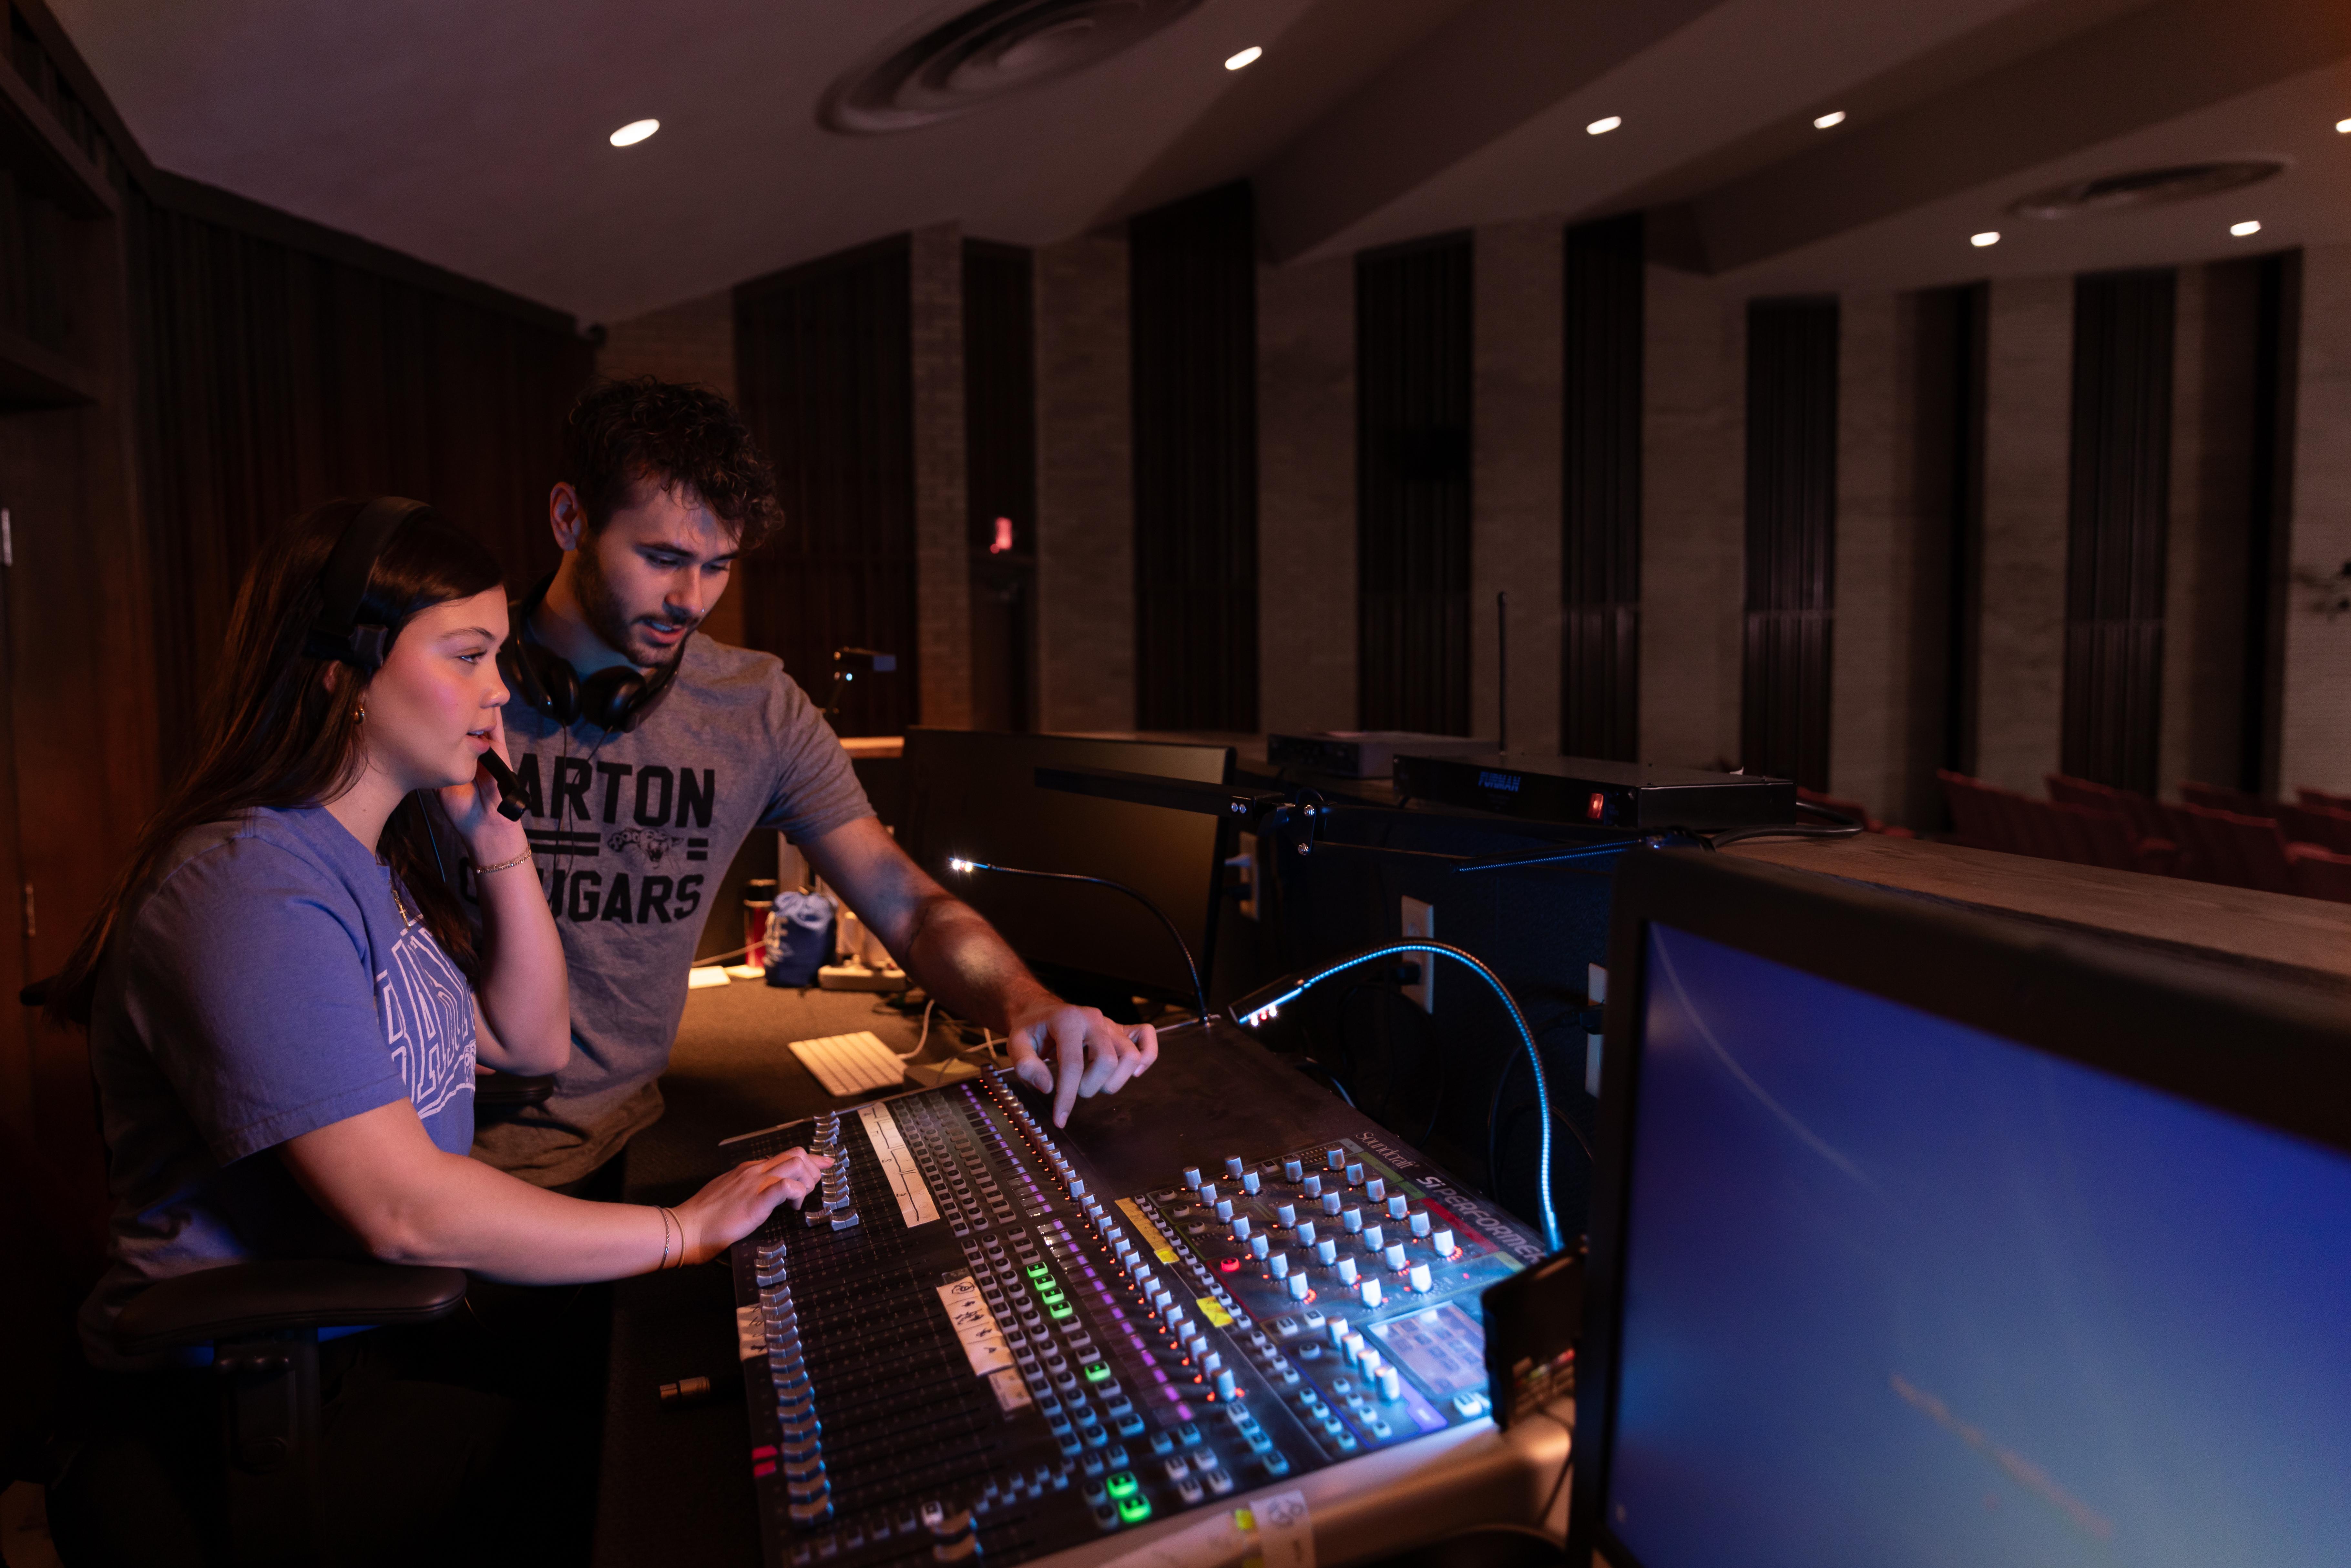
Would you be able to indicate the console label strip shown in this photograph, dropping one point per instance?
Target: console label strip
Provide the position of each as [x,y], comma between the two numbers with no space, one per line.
[1150,1232]
[914,1194]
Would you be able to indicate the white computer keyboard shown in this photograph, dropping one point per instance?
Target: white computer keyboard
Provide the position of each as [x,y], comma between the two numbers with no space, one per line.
[849,1064]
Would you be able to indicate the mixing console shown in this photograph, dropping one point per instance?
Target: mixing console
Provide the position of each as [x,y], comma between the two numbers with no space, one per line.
[968,1344]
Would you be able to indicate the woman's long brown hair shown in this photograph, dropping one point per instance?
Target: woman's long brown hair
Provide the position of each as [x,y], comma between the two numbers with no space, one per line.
[280,727]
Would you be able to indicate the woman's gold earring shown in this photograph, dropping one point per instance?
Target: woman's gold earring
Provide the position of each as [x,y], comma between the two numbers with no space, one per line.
[361,714]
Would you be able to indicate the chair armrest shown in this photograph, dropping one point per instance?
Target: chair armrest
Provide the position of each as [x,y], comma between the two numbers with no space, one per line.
[512,1091]
[245,1300]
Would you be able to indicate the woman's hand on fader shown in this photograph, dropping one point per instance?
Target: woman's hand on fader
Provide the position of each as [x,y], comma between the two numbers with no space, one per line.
[740,1202]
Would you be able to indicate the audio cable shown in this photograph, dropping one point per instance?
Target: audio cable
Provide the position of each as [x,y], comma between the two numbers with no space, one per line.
[1267,1002]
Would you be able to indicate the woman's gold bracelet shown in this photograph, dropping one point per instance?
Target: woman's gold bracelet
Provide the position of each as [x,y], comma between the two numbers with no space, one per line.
[505,865]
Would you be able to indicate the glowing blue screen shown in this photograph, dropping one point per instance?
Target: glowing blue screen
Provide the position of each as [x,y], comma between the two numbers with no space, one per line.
[1898,1292]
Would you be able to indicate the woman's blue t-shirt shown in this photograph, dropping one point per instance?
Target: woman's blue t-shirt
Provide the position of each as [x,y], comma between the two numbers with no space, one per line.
[266,983]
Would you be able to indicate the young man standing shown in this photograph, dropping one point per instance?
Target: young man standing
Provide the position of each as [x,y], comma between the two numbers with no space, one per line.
[647,753]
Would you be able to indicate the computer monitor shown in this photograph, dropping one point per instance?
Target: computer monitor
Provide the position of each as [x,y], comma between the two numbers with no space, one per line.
[1924,1239]
[973,795]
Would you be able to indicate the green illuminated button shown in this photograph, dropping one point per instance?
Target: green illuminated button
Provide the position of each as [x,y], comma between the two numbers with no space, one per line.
[1134,1510]
[1038,1271]
[1053,1296]
[1060,1311]
[1123,1485]
[1098,1370]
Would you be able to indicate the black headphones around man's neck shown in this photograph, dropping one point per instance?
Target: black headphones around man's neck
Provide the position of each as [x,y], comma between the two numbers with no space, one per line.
[614,700]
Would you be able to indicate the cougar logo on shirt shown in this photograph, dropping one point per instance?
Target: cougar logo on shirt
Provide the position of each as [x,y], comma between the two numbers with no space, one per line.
[647,796]
[654,844]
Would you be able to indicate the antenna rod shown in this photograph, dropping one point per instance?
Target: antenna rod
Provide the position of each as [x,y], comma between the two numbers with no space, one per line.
[1502,669]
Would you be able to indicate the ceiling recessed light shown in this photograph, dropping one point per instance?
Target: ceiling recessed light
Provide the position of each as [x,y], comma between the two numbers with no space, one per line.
[634,131]
[1989,236]
[1247,57]
[2344,126]
[1603,125]
[1833,117]
[2249,227]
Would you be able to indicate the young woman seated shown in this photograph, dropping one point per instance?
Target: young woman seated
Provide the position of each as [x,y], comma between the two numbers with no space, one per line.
[286,1005]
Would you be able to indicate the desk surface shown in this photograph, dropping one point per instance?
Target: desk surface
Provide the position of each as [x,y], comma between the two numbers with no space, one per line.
[2306,941]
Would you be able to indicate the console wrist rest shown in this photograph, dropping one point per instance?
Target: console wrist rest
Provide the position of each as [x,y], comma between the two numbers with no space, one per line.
[241,1300]
[513,1089]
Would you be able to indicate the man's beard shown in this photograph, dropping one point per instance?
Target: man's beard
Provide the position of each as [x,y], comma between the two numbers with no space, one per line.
[601,607]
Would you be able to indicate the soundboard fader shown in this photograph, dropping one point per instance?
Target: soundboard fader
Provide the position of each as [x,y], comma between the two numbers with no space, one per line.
[965,1347]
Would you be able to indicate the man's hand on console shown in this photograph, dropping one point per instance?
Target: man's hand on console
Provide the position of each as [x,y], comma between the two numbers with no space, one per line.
[1089,1054]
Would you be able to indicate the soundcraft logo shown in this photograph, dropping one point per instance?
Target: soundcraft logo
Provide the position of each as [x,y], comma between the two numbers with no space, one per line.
[1489,779]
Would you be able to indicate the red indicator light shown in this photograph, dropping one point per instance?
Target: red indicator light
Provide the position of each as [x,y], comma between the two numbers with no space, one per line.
[1597,804]
[1229,1265]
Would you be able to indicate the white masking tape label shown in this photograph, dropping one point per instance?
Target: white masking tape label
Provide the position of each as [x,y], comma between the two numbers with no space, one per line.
[906,1183]
[983,1341]
[1271,1532]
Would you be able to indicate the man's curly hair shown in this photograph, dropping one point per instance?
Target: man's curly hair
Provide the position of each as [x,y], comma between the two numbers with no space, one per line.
[683,438]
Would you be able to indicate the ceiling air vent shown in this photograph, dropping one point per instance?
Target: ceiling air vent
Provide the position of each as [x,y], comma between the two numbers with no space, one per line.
[2143,188]
[984,55]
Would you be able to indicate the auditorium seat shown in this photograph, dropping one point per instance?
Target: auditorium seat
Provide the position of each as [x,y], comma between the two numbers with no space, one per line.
[2244,851]
[2145,816]
[2322,873]
[2329,828]
[2224,798]
[2320,800]
[2083,830]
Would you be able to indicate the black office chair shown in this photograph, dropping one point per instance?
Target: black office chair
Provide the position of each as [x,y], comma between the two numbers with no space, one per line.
[501,1096]
[261,1322]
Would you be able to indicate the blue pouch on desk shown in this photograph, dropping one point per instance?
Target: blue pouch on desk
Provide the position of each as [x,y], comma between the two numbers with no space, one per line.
[800,938]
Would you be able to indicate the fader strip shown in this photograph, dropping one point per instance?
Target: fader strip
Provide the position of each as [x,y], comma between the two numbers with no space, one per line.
[966,1349]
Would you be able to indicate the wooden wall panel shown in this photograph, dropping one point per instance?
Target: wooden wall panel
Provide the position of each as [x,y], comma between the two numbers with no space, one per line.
[1791,429]
[2117,517]
[1599,452]
[824,367]
[273,378]
[1192,294]
[1412,377]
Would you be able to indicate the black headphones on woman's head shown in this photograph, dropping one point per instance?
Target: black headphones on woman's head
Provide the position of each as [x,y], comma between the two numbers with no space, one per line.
[343,586]
[616,700]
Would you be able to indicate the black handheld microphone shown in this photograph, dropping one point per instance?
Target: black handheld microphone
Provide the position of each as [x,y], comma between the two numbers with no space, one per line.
[509,787]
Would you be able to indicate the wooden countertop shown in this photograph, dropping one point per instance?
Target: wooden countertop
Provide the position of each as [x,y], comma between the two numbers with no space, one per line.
[2305,940]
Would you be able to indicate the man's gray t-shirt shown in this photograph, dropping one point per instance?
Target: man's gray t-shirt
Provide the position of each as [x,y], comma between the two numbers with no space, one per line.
[634,831]
[264,984]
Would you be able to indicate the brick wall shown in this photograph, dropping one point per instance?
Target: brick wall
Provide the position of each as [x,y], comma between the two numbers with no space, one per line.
[2028,404]
[1693,525]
